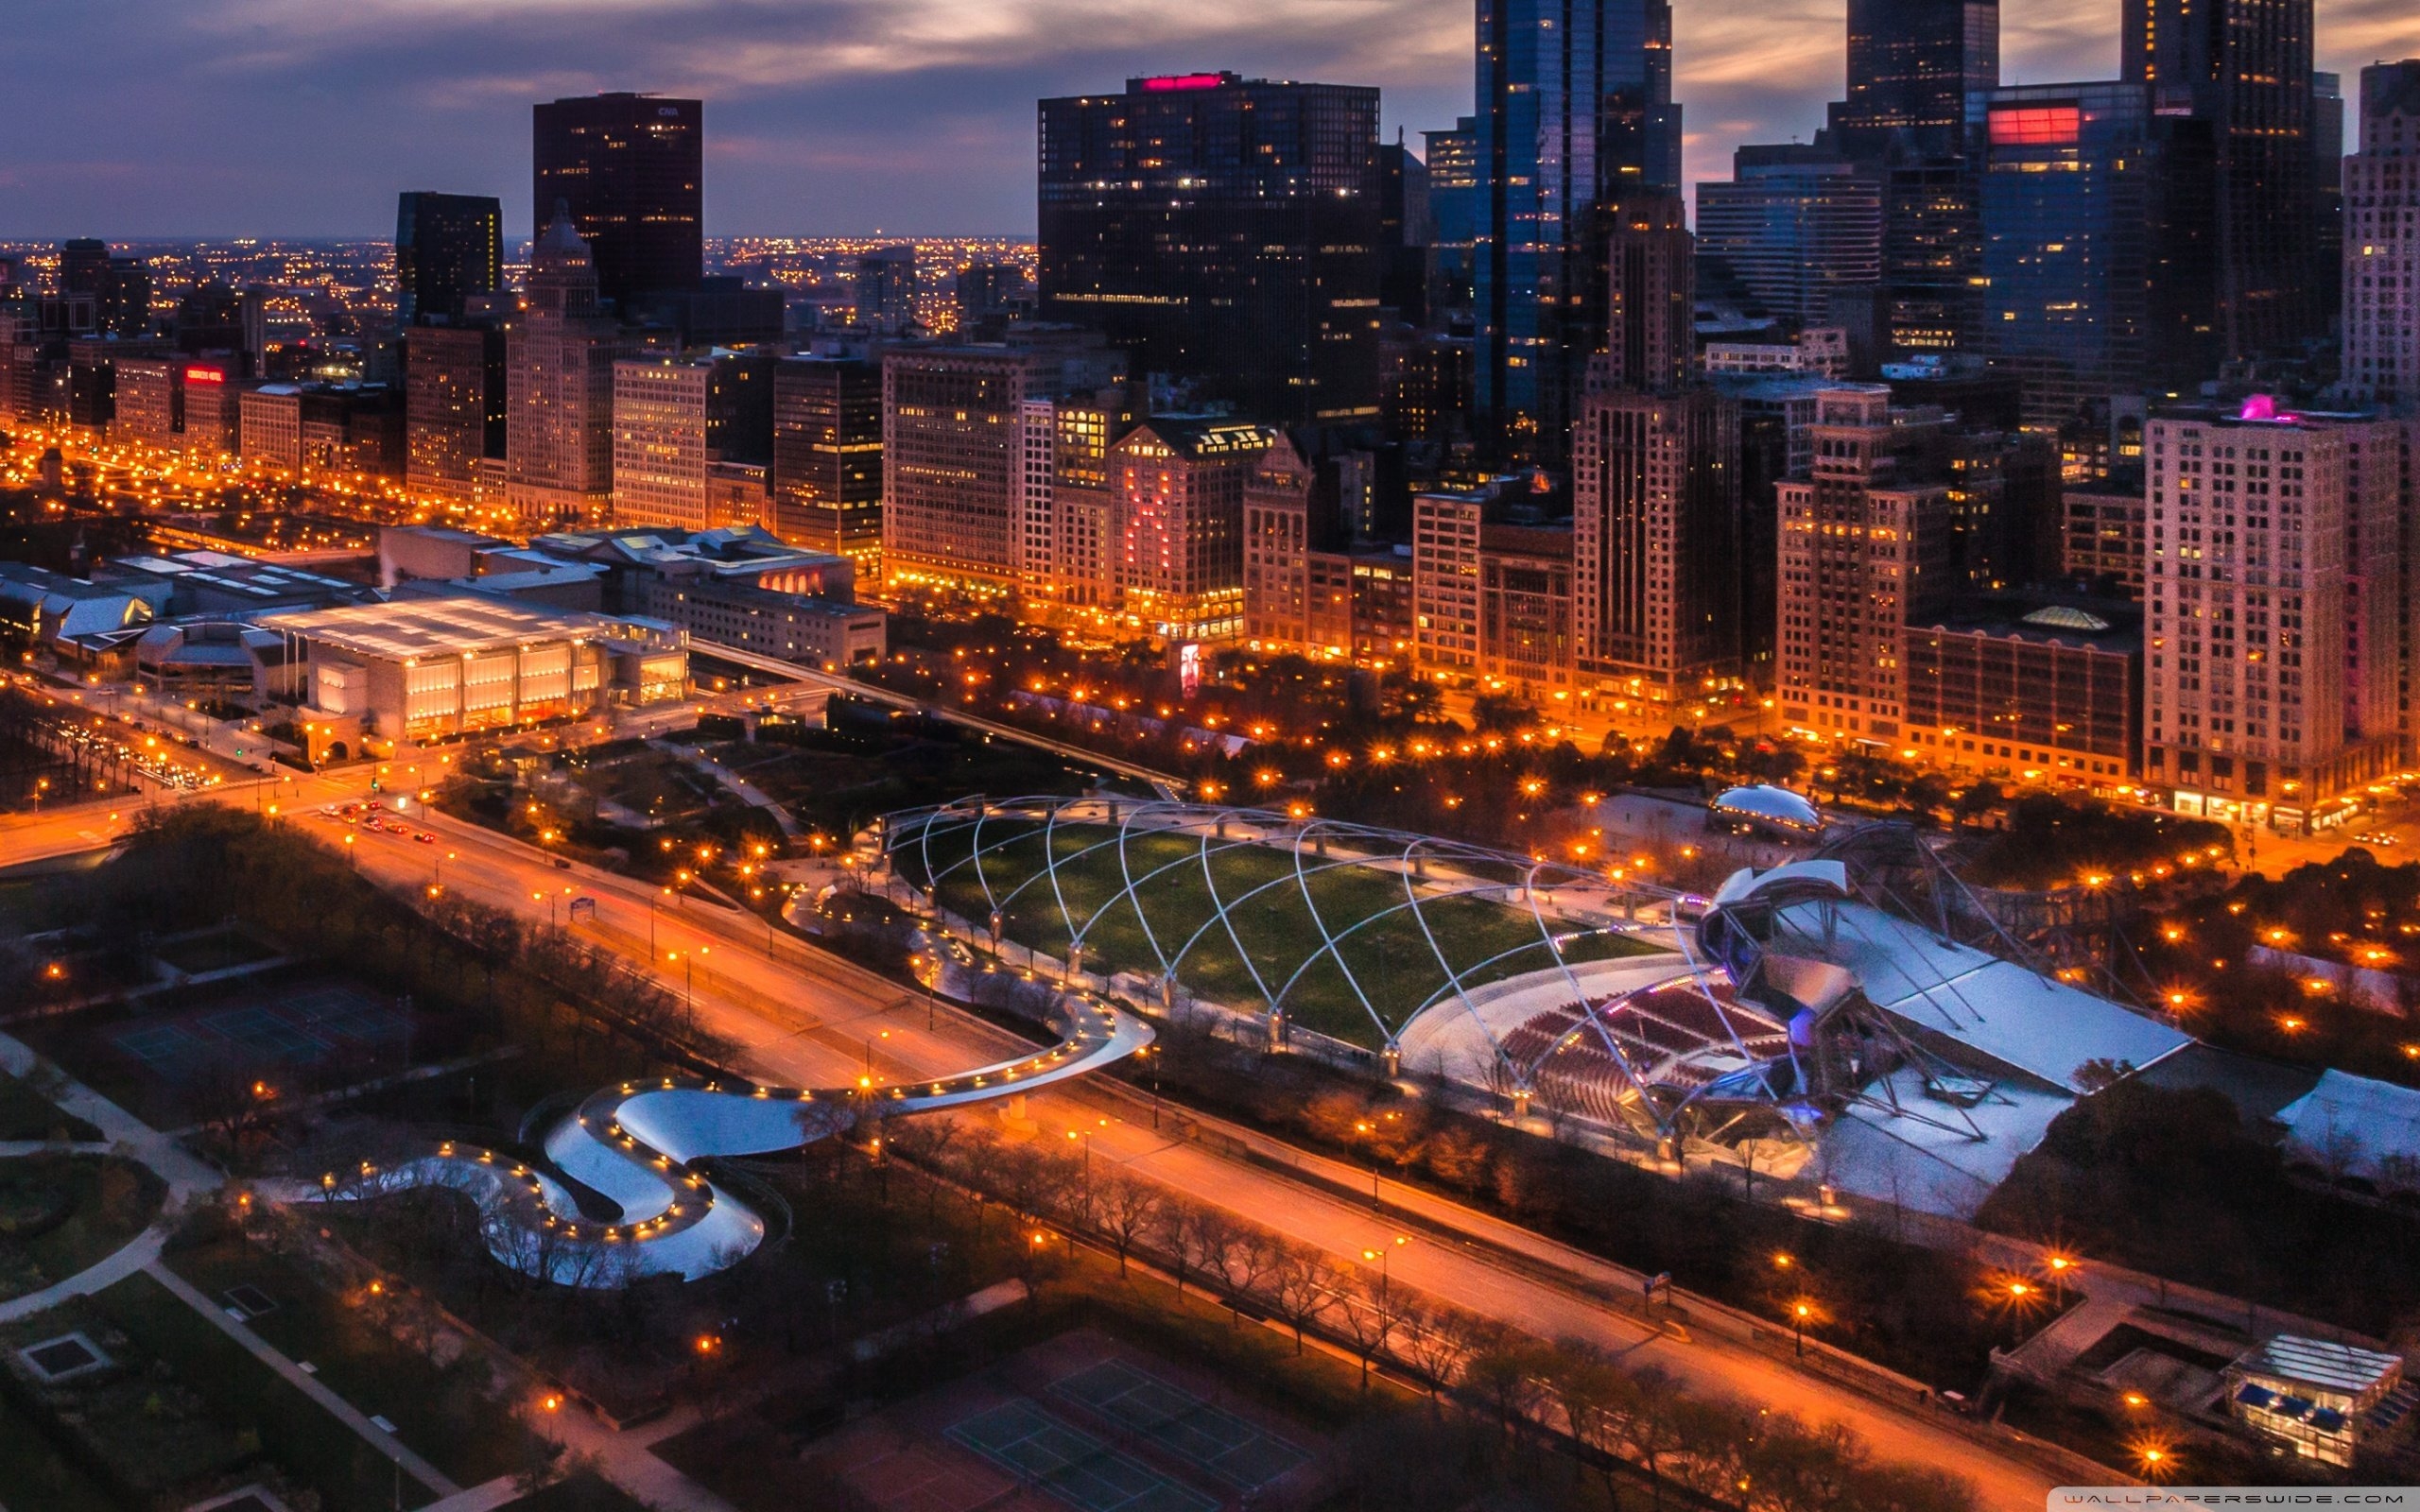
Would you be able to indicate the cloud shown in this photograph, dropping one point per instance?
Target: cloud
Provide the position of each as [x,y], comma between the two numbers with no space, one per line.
[306,116]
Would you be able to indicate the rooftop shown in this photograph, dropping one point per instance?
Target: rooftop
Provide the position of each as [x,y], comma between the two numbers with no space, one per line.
[2322,1363]
[407,629]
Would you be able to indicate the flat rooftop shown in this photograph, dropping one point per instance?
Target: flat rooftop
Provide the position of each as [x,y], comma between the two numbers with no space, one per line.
[408,628]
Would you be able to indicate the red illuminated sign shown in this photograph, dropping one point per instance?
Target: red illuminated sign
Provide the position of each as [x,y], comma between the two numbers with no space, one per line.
[1174,81]
[2051,126]
[204,375]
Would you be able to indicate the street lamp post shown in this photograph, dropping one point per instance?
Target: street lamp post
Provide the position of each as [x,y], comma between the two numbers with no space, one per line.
[1798,1315]
[1382,1256]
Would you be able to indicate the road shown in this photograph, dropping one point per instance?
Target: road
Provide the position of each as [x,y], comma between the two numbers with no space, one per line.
[803,1018]
[1167,782]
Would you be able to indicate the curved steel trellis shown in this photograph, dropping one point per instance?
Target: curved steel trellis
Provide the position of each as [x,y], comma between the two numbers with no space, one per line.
[1489,873]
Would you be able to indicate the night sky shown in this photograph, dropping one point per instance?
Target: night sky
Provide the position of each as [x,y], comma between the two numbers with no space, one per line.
[132,118]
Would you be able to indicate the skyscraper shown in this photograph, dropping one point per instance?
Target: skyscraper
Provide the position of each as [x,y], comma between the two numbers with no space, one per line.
[1657,532]
[120,287]
[558,381]
[631,168]
[1798,227]
[2099,256]
[1454,193]
[1656,541]
[2381,273]
[2245,67]
[660,442]
[827,458]
[1910,66]
[447,248]
[1177,487]
[1574,111]
[1651,317]
[454,407]
[1222,228]
[952,420]
[1865,553]
[886,288]
[2270,598]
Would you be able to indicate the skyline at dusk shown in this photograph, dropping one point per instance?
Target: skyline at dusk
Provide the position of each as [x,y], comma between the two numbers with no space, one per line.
[278,118]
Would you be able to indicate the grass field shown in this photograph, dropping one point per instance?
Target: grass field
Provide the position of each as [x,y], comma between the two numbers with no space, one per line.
[32,1473]
[26,1114]
[1391,960]
[444,1414]
[312,1446]
[108,1201]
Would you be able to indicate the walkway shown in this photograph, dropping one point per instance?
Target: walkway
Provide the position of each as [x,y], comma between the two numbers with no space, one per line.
[188,1177]
[302,1381]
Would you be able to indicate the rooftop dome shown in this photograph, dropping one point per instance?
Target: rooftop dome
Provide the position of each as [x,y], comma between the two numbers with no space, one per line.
[2063,617]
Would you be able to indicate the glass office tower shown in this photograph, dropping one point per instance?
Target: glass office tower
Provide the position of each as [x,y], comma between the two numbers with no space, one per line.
[1575,113]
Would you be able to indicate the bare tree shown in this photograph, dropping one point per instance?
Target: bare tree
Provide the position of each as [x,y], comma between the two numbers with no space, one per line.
[1304,1285]
[1244,1263]
[1125,1210]
[1371,1319]
[1437,1338]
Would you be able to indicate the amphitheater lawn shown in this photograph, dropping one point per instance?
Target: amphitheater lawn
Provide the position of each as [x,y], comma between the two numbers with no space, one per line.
[1275,920]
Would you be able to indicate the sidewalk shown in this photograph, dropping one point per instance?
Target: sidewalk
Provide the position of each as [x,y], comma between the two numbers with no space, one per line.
[188,1177]
[343,1411]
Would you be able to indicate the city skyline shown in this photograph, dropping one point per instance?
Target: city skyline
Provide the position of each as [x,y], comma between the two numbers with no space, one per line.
[261,117]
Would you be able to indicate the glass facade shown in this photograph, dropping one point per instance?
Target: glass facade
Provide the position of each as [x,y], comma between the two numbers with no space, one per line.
[2099,243]
[1574,111]
[1222,228]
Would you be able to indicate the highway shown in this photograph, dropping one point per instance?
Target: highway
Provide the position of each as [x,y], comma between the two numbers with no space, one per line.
[803,1017]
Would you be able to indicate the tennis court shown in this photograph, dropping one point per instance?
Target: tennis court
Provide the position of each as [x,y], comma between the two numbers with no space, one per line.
[300,1027]
[1235,1452]
[1071,1465]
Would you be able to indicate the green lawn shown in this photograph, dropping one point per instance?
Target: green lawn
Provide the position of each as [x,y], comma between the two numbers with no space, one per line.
[109,1201]
[312,1446]
[33,1475]
[443,1414]
[1398,970]
[141,1434]
[26,1114]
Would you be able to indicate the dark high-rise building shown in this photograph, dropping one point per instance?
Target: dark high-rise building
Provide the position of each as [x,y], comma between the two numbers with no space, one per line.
[1651,318]
[2245,67]
[2381,272]
[631,167]
[120,287]
[827,456]
[1911,64]
[1452,160]
[1574,111]
[739,407]
[447,248]
[2099,225]
[215,317]
[1403,233]
[1796,228]
[886,288]
[454,407]
[1222,228]
[83,265]
[988,291]
[2328,199]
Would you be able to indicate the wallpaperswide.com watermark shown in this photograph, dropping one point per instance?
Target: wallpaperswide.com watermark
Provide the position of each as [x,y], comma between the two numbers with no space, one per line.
[2188,1497]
